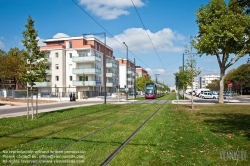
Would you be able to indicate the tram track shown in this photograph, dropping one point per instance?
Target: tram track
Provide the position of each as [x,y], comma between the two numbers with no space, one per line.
[116,151]
[142,106]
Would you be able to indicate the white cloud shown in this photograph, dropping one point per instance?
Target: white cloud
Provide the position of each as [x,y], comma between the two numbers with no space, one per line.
[137,40]
[1,45]
[210,60]
[110,9]
[60,35]
[40,41]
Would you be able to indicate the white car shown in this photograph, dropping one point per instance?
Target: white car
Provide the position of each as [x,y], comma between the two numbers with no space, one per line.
[209,95]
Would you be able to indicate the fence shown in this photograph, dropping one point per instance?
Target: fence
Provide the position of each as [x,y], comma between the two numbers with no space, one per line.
[23,94]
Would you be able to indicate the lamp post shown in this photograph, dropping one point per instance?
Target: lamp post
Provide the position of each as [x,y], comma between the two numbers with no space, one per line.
[104,62]
[126,71]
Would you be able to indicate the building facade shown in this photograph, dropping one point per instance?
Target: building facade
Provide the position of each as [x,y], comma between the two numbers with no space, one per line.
[207,79]
[140,72]
[77,64]
[129,77]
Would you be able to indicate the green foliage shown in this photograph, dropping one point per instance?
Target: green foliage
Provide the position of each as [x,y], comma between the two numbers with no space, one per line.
[214,85]
[140,83]
[223,31]
[240,77]
[10,65]
[34,62]
[183,77]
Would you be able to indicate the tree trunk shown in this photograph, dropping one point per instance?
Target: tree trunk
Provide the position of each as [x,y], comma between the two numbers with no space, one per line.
[222,76]
[32,109]
[192,97]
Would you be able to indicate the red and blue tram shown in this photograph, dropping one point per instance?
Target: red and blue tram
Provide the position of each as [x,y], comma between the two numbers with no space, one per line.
[153,90]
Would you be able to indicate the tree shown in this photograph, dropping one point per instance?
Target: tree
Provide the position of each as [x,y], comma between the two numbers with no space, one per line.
[35,61]
[183,78]
[2,57]
[192,72]
[11,66]
[214,85]
[141,82]
[241,78]
[223,34]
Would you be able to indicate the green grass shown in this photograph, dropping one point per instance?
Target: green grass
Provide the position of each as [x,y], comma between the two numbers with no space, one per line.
[176,135]
[167,96]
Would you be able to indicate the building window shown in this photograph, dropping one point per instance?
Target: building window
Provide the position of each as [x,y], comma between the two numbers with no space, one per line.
[70,78]
[70,44]
[57,78]
[70,55]
[57,55]
[47,55]
[57,66]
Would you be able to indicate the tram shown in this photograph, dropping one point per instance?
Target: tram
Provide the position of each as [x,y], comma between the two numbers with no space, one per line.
[153,90]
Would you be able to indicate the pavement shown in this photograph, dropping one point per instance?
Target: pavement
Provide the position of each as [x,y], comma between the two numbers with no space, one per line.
[241,100]
[13,109]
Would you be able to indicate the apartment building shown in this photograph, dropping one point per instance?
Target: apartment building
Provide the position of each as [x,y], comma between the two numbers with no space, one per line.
[207,79]
[76,64]
[129,77]
[140,72]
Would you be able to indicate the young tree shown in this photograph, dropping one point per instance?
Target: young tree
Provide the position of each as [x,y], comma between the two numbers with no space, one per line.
[192,72]
[223,34]
[35,61]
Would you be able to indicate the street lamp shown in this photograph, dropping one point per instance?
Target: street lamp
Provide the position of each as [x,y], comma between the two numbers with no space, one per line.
[104,62]
[126,71]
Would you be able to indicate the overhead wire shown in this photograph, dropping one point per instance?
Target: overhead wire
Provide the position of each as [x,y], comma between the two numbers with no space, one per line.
[108,32]
[148,35]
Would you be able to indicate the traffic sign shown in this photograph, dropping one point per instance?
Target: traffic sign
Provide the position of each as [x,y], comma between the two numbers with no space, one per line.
[230,84]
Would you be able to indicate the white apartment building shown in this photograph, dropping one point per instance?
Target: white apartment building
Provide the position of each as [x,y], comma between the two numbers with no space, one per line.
[130,77]
[195,85]
[207,79]
[76,64]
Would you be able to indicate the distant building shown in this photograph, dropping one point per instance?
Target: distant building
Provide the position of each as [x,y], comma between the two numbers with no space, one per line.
[140,72]
[207,79]
[123,63]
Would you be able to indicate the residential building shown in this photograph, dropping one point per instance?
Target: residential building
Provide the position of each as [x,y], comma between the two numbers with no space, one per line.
[207,79]
[76,64]
[140,72]
[123,63]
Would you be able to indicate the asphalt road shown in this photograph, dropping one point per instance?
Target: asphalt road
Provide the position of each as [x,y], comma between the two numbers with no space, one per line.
[43,107]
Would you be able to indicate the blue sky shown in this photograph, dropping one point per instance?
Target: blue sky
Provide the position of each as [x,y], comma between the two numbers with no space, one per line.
[169,23]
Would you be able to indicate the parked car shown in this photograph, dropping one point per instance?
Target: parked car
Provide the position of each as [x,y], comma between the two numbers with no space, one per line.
[209,95]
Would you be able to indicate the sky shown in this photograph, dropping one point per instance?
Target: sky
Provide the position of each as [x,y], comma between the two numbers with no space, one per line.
[157,32]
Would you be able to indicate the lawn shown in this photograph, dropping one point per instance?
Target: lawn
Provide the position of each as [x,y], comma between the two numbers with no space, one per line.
[209,135]
[167,96]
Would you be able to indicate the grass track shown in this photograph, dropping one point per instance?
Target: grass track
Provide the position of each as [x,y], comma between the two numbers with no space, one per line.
[174,136]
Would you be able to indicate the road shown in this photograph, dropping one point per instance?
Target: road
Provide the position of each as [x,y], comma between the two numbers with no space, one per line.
[10,111]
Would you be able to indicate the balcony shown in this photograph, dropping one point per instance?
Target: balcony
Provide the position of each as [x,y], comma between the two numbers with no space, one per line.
[130,79]
[48,72]
[111,65]
[85,83]
[111,75]
[130,86]
[86,59]
[130,72]
[110,84]
[49,60]
[42,84]
[86,71]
